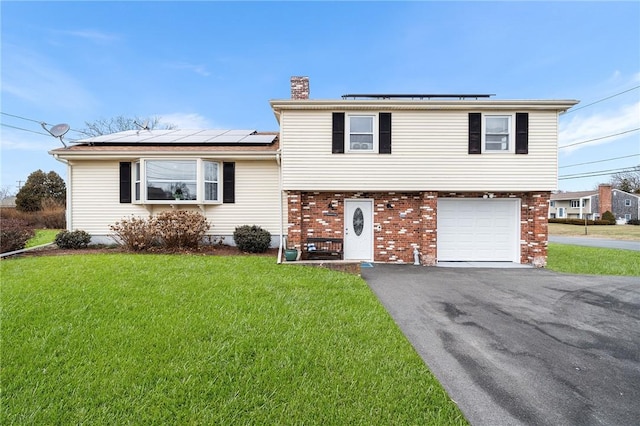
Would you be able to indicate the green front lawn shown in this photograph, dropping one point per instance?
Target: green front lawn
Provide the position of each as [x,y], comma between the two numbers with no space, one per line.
[42,236]
[593,260]
[168,339]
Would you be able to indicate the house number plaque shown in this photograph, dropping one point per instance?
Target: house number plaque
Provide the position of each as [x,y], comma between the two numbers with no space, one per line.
[358,221]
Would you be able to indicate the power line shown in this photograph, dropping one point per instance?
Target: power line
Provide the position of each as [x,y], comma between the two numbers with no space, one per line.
[22,118]
[35,121]
[597,139]
[597,173]
[601,100]
[26,130]
[599,161]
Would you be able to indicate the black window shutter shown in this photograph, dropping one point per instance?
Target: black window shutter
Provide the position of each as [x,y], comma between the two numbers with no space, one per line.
[475,133]
[522,133]
[125,182]
[384,133]
[228,182]
[337,141]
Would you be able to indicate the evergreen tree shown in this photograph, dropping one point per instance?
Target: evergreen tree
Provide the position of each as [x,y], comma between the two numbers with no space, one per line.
[41,186]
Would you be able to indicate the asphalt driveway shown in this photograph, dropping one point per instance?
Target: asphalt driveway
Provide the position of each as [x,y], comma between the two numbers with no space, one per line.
[522,346]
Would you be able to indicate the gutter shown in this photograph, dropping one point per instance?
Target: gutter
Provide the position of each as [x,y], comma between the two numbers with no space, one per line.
[279,162]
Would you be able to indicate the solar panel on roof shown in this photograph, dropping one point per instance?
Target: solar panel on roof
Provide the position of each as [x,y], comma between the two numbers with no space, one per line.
[181,136]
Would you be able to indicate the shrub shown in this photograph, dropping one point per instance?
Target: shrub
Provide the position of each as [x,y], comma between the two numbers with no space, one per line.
[579,221]
[181,229]
[136,234]
[252,239]
[609,217]
[77,239]
[52,215]
[633,222]
[14,234]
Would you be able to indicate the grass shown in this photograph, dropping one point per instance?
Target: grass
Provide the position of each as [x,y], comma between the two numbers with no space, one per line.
[141,339]
[43,236]
[593,260]
[615,232]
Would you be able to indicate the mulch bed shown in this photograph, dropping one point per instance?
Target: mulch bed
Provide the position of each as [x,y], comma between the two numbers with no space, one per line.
[209,250]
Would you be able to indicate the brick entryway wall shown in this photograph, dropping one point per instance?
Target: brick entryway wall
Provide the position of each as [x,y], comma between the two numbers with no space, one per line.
[407,220]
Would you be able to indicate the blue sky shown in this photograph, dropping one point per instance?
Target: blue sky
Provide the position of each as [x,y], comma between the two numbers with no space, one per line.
[217,65]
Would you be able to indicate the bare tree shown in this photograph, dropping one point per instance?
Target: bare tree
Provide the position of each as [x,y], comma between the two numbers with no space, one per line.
[5,191]
[107,126]
[628,181]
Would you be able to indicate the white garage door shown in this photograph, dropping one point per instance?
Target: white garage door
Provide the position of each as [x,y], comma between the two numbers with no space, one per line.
[478,229]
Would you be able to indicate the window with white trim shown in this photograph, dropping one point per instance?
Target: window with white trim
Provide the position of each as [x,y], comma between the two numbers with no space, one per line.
[136,179]
[171,180]
[576,203]
[361,133]
[627,216]
[552,204]
[627,202]
[498,133]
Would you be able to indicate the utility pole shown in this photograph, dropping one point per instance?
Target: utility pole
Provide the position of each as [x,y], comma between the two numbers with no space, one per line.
[19,185]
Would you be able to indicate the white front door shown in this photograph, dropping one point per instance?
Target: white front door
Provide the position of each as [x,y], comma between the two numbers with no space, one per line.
[358,230]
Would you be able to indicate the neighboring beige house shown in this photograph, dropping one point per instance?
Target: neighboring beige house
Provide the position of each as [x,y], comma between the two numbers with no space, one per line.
[455,177]
[9,202]
[383,177]
[592,204]
[231,176]
[572,205]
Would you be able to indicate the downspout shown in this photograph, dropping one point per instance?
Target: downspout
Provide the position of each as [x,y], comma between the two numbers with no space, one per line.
[279,162]
[68,202]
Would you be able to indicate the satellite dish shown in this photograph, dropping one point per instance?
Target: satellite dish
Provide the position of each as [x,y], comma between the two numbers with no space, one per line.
[143,126]
[59,130]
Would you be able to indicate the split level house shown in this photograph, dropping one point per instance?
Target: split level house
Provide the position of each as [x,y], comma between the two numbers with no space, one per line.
[380,177]
[592,204]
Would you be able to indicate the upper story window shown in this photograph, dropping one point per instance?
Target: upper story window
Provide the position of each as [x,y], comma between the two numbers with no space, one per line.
[173,181]
[627,202]
[576,203]
[497,135]
[552,204]
[361,132]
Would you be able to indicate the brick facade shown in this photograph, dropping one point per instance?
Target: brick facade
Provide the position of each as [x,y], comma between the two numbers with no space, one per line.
[407,220]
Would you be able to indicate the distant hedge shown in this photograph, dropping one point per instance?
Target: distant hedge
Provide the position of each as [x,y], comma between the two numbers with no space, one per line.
[580,221]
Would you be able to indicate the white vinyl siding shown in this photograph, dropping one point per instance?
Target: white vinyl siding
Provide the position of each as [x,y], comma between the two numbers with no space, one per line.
[95,199]
[430,151]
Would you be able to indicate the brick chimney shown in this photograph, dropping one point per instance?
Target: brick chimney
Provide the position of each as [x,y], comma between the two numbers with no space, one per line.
[299,88]
[604,195]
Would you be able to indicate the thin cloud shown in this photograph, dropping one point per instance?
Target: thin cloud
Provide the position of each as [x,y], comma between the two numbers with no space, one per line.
[92,35]
[187,121]
[583,128]
[32,78]
[15,140]
[198,69]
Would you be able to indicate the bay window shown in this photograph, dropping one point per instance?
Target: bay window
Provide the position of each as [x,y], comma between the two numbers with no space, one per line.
[171,180]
